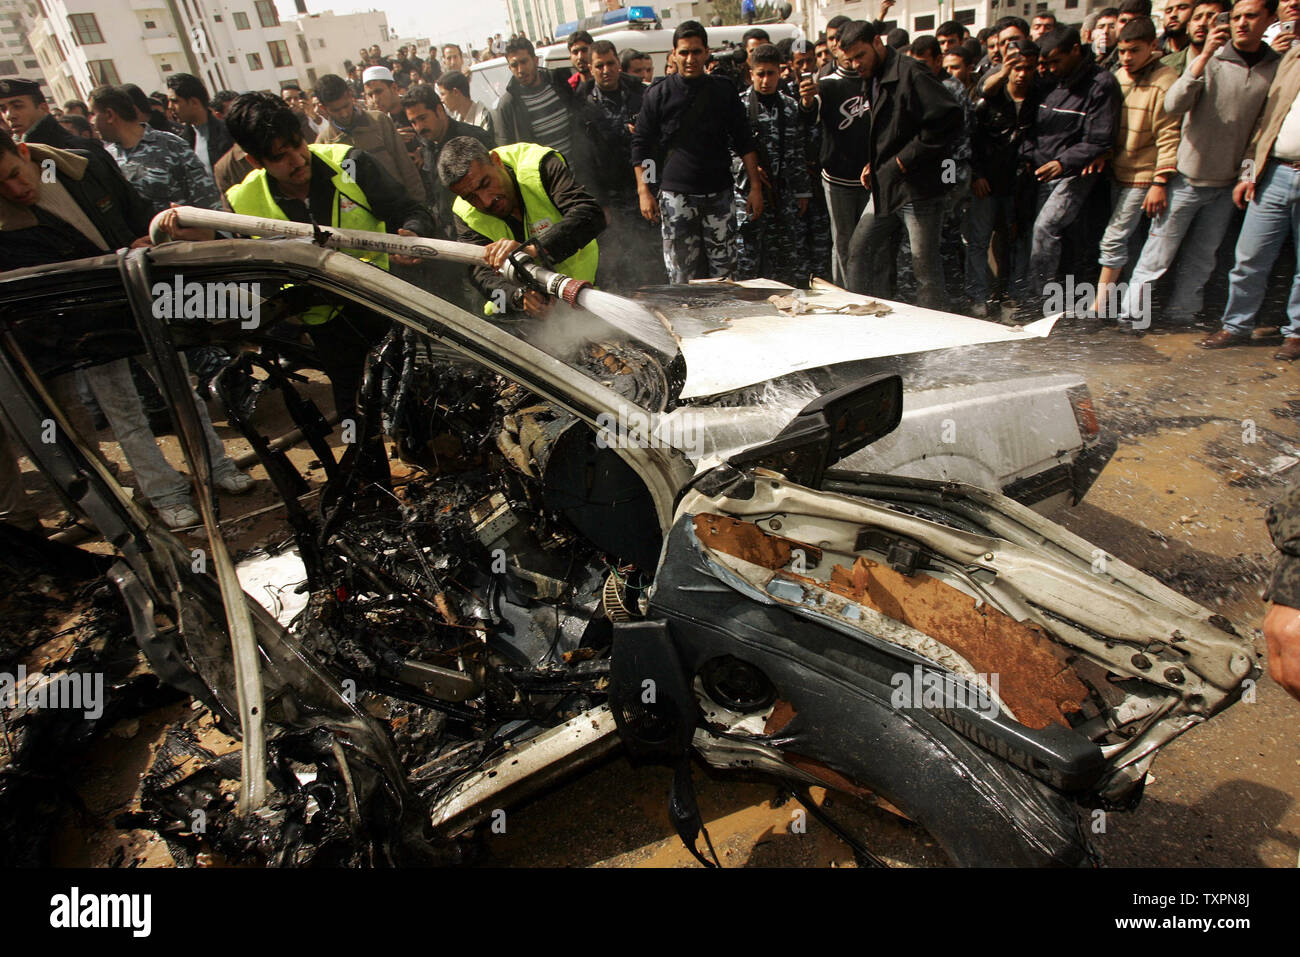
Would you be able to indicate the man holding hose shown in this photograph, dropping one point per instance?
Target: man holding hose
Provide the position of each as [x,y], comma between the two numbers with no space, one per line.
[330,184]
[520,197]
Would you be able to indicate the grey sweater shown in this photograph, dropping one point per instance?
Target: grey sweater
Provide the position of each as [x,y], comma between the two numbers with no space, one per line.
[1221,107]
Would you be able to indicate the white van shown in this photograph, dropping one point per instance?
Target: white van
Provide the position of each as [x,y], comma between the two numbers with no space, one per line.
[488,79]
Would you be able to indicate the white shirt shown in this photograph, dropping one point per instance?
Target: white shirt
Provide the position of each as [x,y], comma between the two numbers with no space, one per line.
[201,147]
[1287,145]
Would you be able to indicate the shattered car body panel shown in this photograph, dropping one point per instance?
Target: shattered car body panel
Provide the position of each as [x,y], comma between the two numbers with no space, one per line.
[500,615]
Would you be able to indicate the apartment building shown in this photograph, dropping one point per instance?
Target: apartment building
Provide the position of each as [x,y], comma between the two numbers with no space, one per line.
[238,45]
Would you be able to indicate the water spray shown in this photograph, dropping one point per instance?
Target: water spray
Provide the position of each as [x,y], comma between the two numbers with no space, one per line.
[630,317]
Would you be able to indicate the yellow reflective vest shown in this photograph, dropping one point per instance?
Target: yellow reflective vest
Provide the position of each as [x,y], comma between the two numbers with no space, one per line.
[351,209]
[525,159]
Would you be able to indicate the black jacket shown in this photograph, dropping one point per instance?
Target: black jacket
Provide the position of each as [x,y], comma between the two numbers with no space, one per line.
[49,132]
[690,128]
[512,124]
[219,138]
[915,121]
[605,126]
[998,136]
[387,198]
[582,221]
[843,113]
[440,197]
[1077,119]
[29,236]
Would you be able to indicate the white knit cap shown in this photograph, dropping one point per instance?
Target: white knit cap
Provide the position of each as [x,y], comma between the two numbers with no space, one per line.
[377,73]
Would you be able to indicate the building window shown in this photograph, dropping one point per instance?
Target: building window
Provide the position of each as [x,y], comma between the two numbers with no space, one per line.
[241,20]
[216,18]
[31,64]
[8,68]
[1071,4]
[255,61]
[266,13]
[103,71]
[167,68]
[1042,8]
[150,25]
[923,23]
[279,53]
[965,17]
[85,28]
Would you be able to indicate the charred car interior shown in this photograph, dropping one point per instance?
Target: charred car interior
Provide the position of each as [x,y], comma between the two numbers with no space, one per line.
[497,588]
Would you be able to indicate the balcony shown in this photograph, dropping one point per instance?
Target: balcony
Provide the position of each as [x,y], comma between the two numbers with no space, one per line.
[148,4]
[157,43]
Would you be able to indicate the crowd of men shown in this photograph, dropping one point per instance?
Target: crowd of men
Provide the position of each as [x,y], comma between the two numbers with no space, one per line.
[1113,157]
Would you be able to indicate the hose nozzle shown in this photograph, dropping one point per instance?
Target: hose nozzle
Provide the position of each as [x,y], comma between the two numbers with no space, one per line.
[522,270]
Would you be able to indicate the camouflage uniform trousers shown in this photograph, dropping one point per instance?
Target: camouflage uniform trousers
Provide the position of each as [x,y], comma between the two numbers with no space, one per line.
[770,248]
[698,228]
[1284,526]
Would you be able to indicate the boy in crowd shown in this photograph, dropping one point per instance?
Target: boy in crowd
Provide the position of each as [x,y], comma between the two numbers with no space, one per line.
[769,246]
[1146,154]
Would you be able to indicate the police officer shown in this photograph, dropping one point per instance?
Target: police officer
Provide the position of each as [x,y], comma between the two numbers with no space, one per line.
[24,109]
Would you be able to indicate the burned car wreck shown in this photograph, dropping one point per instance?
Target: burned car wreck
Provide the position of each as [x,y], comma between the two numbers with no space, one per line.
[538,590]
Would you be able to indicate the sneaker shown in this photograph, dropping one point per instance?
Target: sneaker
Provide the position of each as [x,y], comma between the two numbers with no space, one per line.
[178,516]
[235,483]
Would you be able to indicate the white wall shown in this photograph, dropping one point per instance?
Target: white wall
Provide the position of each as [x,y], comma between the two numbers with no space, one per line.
[332,38]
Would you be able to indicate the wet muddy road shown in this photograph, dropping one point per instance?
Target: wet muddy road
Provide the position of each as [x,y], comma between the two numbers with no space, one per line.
[1207,441]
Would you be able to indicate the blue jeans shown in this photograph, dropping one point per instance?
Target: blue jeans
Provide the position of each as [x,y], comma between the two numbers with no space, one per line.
[1059,203]
[846,206]
[1270,218]
[1125,217]
[983,216]
[1190,231]
[875,246]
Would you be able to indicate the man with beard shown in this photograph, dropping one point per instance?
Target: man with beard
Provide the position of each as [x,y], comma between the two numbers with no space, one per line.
[1175,42]
[522,198]
[434,128]
[1218,97]
[580,57]
[371,131]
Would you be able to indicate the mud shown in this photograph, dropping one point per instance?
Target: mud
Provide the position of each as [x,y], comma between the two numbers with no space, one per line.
[1203,440]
